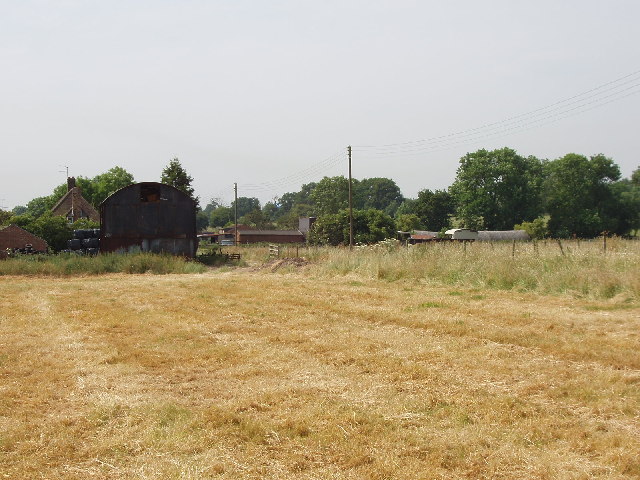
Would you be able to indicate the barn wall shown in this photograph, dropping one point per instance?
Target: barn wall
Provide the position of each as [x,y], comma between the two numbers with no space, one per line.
[149,217]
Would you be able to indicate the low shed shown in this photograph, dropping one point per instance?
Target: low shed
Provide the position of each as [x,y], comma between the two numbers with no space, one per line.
[13,237]
[149,217]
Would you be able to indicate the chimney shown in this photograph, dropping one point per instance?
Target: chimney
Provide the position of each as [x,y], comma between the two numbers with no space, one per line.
[71,183]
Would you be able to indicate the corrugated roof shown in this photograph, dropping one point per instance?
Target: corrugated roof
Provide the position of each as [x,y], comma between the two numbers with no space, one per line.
[489,235]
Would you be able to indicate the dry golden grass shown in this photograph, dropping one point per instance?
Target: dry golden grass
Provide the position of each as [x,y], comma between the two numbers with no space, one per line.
[250,374]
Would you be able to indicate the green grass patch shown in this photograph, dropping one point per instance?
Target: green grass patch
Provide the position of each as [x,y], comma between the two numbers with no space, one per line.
[71,264]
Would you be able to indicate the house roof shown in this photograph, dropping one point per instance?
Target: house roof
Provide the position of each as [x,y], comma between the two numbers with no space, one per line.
[423,237]
[14,235]
[74,196]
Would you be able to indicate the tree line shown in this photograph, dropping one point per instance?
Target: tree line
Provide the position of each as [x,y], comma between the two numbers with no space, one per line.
[500,189]
[572,196]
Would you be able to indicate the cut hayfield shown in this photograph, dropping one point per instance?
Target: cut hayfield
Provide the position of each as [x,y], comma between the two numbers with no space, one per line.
[252,375]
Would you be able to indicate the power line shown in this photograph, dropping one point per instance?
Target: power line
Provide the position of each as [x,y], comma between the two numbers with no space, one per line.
[309,173]
[606,93]
[508,130]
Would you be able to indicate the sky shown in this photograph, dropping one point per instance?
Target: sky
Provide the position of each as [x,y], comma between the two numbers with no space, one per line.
[269,95]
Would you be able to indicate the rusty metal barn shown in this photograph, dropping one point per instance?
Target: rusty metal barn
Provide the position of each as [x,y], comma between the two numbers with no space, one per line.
[149,217]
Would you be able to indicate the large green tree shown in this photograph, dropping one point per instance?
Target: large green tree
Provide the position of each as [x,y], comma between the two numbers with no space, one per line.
[245,206]
[330,195]
[625,211]
[105,184]
[434,209]
[369,226]
[497,189]
[579,197]
[175,175]
[301,199]
[221,217]
[379,193]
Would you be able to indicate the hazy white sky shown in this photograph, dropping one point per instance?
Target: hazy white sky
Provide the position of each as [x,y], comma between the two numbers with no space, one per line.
[269,94]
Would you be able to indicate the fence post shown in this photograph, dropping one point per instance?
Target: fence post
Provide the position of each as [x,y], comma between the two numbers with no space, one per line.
[560,245]
[513,249]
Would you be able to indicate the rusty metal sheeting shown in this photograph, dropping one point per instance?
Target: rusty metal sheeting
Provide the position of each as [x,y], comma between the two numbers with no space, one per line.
[149,217]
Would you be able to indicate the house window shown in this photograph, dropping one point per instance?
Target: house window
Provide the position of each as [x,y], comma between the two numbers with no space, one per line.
[149,193]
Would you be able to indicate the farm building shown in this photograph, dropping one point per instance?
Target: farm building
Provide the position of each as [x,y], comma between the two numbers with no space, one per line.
[422,236]
[13,237]
[503,235]
[149,217]
[73,206]
[461,234]
[305,224]
[270,236]
[227,235]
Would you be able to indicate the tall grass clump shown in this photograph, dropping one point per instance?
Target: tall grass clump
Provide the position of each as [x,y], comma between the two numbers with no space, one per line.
[71,264]
[577,268]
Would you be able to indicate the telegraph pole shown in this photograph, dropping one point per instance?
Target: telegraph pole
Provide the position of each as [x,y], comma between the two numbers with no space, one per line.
[235,215]
[350,202]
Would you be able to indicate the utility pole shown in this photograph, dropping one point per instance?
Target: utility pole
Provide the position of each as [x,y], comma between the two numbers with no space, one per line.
[350,202]
[235,215]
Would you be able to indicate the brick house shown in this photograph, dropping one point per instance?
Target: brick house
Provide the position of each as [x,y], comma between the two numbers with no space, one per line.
[13,237]
[73,205]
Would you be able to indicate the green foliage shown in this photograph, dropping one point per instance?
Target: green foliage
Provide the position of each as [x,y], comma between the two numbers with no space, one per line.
[54,230]
[39,205]
[72,264]
[330,229]
[220,217]
[496,189]
[378,193]
[106,184]
[434,209]
[635,177]
[175,175]
[290,200]
[94,190]
[19,210]
[202,221]
[330,195]
[4,217]
[257,219]
[84,223]
[245,205]
[369,226]
[627,207]
[407,222]
[536,229]
[579,197]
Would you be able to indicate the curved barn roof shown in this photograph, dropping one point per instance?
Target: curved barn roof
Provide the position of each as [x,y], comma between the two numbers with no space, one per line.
[506,235]
[163,187]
